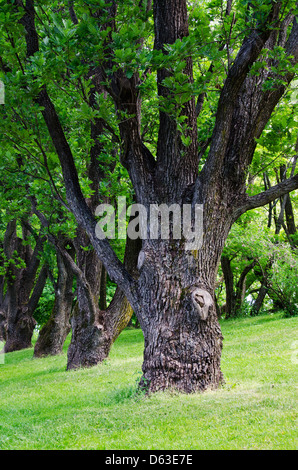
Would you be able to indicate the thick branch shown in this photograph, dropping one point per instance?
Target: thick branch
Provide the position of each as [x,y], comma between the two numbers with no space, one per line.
[247,55]
[265,197]
[177,163]
[253,110]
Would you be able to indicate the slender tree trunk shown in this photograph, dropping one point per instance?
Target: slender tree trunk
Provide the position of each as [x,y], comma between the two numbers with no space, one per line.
[260,299]
[241,286]
[229,284]
[290,218]
[265,286]
[53,334]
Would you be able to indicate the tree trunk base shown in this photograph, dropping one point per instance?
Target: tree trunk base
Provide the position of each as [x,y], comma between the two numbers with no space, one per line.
[181,377]
[85,356]
[90,345]
[51,339]
[186,363]
[19,335]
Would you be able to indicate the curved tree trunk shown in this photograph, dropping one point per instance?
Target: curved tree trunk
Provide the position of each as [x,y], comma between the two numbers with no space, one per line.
[53,334]
[94,330]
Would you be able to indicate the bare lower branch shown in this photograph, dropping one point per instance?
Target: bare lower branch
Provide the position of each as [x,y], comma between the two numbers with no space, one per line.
[261,199]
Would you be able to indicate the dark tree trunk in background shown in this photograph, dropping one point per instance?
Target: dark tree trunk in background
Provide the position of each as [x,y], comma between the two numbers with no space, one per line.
[85,349]
[52,335]
[263,275]
[24,289]
[229,284]
[94,330]
[235,295]
[241,286]
[286,202]
[290,218]
[260,299]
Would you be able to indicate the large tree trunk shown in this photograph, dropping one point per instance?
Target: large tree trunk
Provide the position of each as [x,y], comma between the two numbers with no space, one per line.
[53,334]
[183,340]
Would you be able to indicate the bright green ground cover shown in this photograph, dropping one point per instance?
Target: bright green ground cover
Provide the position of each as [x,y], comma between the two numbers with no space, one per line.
[44,407]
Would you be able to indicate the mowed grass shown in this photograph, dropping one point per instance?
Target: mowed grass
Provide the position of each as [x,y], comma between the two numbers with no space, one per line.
[42,406]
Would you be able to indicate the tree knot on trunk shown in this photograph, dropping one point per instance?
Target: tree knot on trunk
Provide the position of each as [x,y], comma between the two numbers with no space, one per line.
[202,301]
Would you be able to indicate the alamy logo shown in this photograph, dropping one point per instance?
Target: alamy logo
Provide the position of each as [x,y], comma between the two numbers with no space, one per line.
[2,93]
[156,222]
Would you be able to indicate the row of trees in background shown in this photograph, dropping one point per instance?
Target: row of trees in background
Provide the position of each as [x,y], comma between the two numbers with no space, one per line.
[39,275]
[184,102]
[259,261]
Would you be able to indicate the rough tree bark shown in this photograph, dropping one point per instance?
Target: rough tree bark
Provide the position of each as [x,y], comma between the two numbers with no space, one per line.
[94,330]
[24,289]
[52,335]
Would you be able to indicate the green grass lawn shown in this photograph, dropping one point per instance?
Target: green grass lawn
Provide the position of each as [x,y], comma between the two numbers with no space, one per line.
[44,407]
